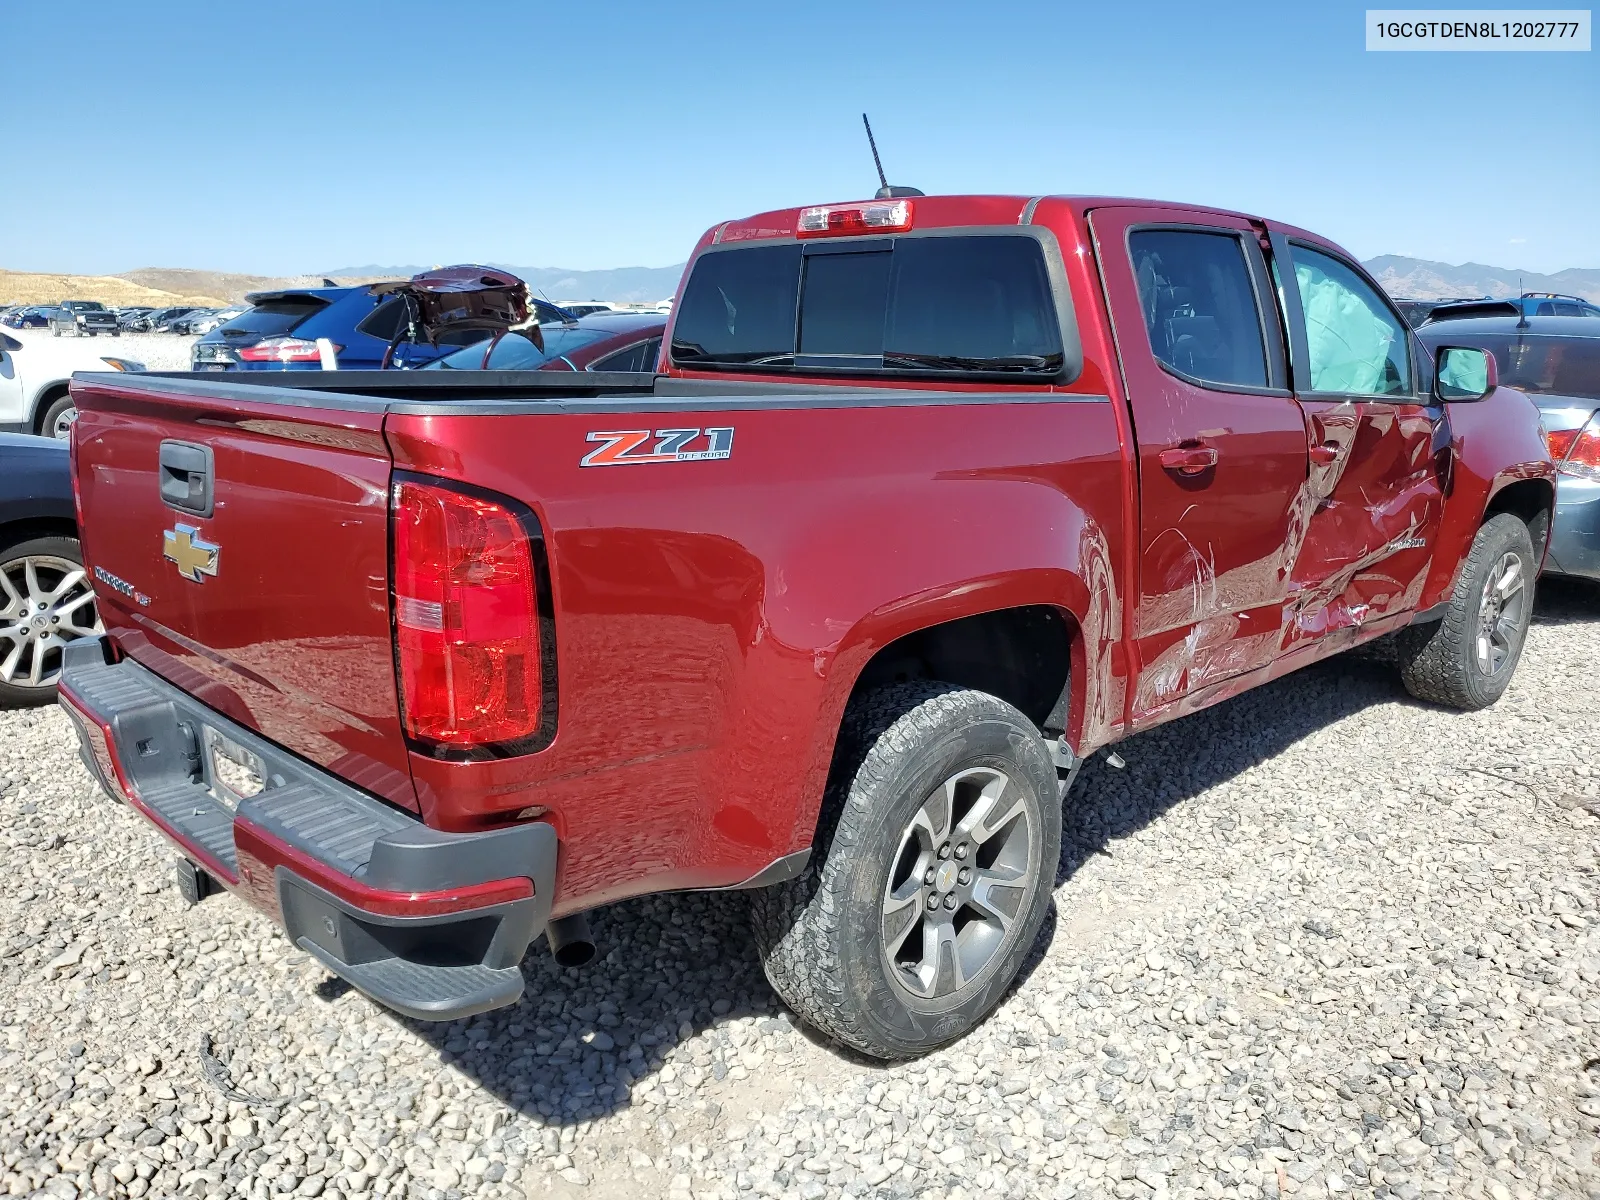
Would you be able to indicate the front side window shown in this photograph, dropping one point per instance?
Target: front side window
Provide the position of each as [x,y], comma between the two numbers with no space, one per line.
[1199,306]
[884,305]
[1354,343]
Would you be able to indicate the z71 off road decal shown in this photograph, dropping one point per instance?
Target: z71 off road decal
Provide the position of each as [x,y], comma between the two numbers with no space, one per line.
[621,447]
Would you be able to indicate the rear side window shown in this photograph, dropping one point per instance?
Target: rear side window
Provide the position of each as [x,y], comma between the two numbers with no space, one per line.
[891,305]
[640,357]
[1199,307]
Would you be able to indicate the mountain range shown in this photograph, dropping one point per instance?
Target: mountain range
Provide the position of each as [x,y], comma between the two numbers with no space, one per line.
[1416,278]
[1421,279]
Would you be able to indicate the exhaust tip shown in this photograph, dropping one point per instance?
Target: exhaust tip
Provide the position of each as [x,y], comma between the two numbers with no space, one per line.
[570,941]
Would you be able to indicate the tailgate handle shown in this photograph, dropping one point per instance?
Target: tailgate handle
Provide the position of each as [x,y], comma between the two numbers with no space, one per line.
[186,477]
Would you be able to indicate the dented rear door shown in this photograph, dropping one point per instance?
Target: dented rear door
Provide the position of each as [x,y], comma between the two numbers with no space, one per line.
[1221,444]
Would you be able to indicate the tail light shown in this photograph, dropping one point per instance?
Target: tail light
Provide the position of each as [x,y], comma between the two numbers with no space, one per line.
[283,350]
[467,623]
[841,220]
[1576,451]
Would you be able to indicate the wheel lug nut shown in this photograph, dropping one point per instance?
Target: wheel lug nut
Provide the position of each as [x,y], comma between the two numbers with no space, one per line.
[950,900]
[944,850]
[933,901]
[964,875]
[927,877]
[961,850]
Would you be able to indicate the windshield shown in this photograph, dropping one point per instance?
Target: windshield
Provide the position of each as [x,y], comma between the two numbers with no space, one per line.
[87,306]
[516,353]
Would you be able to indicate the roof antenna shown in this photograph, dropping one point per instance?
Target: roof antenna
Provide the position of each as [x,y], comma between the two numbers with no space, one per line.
[1522,305]
[885,192]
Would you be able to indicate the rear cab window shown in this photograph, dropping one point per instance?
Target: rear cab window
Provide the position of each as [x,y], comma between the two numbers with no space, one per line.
[934,304]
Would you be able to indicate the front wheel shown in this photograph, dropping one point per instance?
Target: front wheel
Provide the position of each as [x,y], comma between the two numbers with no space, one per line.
[941,829]
[1466,659]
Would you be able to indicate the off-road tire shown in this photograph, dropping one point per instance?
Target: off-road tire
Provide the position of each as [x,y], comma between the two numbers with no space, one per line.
[1438,660]
[820,935]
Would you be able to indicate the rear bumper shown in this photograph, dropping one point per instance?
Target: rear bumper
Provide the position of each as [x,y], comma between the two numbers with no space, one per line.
[1575,532]
[430,924]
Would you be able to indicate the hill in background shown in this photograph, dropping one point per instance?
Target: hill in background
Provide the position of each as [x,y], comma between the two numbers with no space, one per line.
[1401,276]
[29,287]
[1423,280]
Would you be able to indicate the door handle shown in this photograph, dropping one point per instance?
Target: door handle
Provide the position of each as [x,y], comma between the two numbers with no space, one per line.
[1324,453]
[1188,460]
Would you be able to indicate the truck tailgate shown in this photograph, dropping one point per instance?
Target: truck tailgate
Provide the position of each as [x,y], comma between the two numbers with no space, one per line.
[268,598]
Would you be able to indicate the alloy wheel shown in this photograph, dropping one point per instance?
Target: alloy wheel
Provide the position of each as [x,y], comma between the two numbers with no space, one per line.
[45,602]
[961,877]
[1501,610]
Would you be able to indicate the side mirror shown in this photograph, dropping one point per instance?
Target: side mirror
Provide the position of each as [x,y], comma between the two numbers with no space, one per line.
[1464,373]
[9,344]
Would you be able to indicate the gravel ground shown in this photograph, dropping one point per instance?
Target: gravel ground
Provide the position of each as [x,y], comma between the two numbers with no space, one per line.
[157,351]
[1319,941]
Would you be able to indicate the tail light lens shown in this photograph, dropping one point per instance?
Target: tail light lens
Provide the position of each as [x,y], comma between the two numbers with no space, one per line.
[466,618]
[1576,451]
[282,349]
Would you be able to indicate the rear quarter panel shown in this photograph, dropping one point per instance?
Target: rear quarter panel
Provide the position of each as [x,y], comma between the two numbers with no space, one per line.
[712,616]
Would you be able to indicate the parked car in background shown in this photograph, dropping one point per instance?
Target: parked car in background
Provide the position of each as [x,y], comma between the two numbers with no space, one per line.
[135,319]
[1556,361]
[585,308]
[79,317]
[26,317]
[207,322]
[603,342]
[155,318]
[33,382]
[279,332]
[166,321]
[46,600]
[186,323]
[1554,304]
[1417,311]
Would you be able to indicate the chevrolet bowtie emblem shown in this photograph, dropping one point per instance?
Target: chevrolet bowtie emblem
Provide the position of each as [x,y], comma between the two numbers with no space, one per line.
[195,557]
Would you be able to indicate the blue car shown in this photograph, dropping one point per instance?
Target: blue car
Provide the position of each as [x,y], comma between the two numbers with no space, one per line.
[280,331]
[32,317]
[1553,304]
[1556,361]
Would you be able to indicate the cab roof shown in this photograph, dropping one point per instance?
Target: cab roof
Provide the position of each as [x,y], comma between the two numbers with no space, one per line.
[934,212]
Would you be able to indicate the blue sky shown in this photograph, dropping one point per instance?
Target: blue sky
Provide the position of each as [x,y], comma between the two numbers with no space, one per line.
[273,138]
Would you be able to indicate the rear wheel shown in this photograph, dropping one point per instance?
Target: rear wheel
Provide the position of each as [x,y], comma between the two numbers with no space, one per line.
[1466,659]
[942,832]
[45,602]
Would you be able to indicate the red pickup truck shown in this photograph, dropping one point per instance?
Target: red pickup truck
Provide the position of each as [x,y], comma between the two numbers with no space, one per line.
[930,498]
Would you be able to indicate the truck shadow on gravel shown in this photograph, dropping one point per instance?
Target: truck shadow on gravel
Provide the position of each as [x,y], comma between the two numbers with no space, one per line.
[683,966]
[1187,757]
